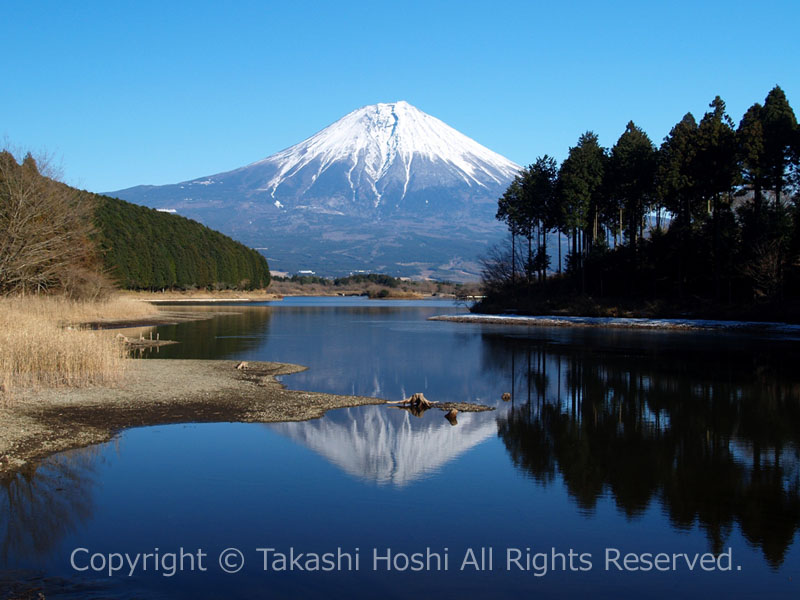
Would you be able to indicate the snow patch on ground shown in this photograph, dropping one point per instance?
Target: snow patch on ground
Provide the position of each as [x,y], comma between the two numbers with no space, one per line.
[621,322]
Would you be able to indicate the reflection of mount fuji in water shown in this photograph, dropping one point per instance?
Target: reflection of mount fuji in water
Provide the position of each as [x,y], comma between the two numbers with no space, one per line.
[390,445]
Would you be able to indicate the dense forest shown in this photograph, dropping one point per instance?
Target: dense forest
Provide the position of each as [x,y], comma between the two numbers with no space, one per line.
[54,238]
[143,248]
[707,223]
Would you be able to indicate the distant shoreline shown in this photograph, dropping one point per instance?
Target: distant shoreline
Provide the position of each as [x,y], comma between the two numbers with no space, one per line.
[192,298]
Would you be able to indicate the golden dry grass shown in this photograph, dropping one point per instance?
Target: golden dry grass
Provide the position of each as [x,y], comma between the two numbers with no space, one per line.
[200,294]
[43,345]
[75,312]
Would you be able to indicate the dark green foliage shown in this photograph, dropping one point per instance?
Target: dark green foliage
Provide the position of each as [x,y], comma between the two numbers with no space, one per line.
[751,151]
[723,247]
[580,181]
[780,131]
[675,179]
[715,165]
[631,179]
[146,249]
[531,209]
[582,197]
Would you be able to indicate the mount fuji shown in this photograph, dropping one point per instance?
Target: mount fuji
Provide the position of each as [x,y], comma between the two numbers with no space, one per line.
[386,188]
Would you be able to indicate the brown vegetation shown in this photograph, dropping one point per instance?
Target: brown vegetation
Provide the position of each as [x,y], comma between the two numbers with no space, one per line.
[202,295]
[45,234]
[42,342]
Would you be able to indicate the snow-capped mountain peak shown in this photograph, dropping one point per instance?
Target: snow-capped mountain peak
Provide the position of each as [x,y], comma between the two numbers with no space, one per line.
[386,188]
[377,145]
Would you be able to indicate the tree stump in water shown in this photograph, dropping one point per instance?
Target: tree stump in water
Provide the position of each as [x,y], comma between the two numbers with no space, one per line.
[419,401]
[506,397]
[416,404]
[451,416]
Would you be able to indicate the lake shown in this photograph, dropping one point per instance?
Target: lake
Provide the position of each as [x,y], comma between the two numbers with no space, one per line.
[626,464]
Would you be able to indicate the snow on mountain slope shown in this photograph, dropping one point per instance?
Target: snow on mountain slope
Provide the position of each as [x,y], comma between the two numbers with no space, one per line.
[374,139]
[386,187]
[376,156]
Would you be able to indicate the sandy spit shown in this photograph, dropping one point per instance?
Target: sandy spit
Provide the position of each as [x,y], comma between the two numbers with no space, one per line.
[37,423]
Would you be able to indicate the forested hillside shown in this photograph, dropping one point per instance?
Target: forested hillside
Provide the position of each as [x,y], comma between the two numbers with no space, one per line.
[146,249]
[57,239]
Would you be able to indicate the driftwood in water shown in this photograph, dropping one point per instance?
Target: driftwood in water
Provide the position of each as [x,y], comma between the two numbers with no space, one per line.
[417,401]
[451,416]
[506,397]
[417,404]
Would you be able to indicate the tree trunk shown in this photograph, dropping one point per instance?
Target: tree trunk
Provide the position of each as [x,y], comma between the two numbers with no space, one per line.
[513,260]
[544,266]
[529,264]
[559,252]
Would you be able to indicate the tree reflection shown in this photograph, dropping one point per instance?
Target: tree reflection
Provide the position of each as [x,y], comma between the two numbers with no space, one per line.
[40,505]
[711,433]
[233,331]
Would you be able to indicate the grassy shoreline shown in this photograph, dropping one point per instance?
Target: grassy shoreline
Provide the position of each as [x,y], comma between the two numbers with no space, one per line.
[53,342]
[44,342]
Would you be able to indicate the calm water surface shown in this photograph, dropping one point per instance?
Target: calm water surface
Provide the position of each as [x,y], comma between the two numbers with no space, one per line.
[647,442]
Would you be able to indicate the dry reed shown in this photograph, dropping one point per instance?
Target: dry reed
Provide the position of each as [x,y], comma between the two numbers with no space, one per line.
[43,345]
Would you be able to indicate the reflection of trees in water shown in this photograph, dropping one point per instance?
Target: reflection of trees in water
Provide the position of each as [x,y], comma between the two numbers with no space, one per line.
[712,435]
[41,505]
[223,336]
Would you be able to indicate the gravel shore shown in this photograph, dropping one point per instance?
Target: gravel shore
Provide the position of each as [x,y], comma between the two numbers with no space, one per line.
[37,423]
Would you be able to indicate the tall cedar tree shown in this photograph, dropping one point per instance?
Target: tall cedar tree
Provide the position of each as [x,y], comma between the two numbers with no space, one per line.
[539,194]
[677,188]
[751,152]
[780,127]
[632,167]
[580,180]
[716,170]
[509,207]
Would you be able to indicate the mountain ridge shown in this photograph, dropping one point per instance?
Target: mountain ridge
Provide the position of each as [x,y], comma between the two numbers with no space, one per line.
[387,171]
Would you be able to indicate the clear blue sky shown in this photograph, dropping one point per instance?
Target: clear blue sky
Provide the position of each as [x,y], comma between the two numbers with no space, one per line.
[127,93]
